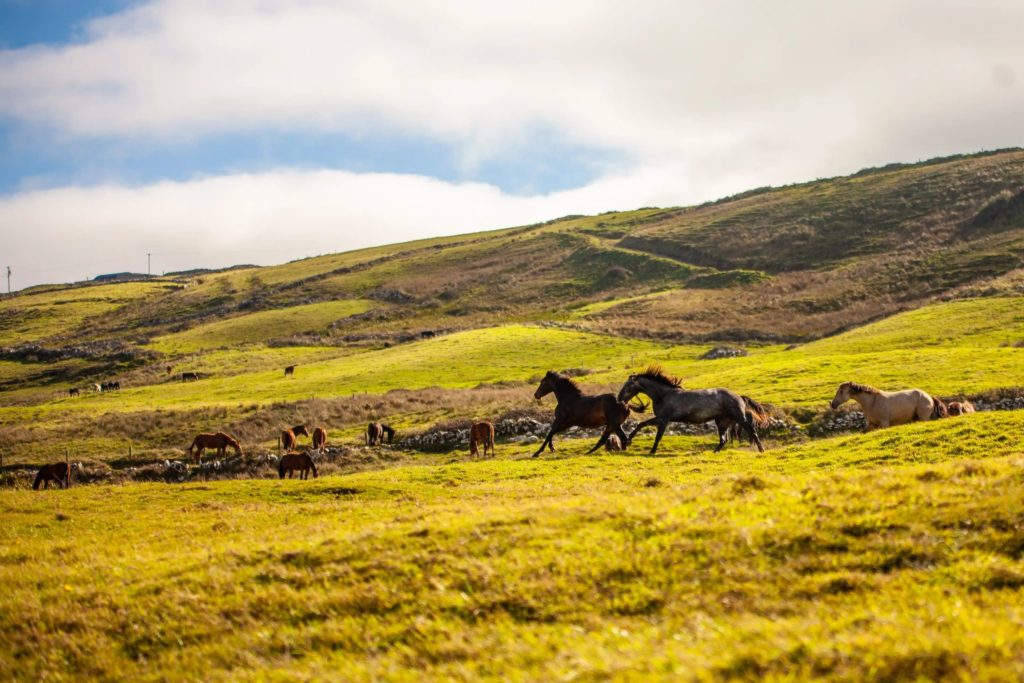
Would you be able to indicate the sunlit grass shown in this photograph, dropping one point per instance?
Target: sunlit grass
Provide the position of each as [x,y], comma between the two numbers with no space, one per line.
[811,561]
[260,327]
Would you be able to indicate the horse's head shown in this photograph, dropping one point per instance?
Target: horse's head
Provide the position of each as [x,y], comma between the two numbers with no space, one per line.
[843,394]
[300,430]
[630,389]
[547,385]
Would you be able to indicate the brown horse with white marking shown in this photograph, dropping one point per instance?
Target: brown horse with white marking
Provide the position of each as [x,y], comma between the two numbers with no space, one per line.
[889,408]
[220,441]
[576,410]
[296,461]
[290,437]
[59,472]
[956,408]
[481,434]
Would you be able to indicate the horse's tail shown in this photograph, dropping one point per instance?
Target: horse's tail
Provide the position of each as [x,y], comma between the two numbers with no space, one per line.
[280,468]
[758,412]
[939,409]
[39,479]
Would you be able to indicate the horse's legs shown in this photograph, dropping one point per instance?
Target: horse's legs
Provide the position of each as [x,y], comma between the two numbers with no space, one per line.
[645,423]
[662,426]
[724,426]
[556,427]
[601,441]
[752,430]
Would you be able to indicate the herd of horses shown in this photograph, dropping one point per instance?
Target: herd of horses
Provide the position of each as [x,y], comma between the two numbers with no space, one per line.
[733,414]
[186,376]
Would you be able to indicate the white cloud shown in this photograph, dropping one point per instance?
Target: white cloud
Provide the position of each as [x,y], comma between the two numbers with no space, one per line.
[80,232]
[656,79]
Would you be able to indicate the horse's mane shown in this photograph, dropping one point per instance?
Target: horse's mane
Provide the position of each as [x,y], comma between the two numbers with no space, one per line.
[862,388]
[656,374]
[566,382]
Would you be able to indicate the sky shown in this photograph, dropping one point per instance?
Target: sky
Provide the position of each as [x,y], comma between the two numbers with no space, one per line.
[208,133]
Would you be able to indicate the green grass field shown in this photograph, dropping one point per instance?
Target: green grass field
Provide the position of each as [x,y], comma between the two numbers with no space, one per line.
[819,560]
[259,327]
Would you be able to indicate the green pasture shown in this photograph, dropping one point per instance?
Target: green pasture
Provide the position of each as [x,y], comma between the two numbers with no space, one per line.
[34,316]
[960,356]
[895,556]
[261,326]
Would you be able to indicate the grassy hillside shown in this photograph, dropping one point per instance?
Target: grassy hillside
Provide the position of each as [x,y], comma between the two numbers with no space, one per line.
[813,561]
[959,348]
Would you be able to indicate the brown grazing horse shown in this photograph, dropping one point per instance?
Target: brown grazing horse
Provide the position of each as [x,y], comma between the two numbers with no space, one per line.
[960,408]
[59,472]
[481,433]
[289,371]
[189,376]
[319,439]
[576,410]
[290,437]
[220,441]
[296,461]
[374,433]
[73,391]
[889,408]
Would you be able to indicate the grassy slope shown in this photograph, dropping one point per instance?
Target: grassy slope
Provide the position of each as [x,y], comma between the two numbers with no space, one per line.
[39,315]
[893,556]
[969,352]
[260,327]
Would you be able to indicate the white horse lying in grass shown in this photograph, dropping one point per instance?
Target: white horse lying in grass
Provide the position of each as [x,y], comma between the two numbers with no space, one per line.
[889,408]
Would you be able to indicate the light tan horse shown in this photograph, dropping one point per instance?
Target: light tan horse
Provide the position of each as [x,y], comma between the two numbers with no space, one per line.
[888,408]
[319,439]
[220,441]
[960,408]
[481,433]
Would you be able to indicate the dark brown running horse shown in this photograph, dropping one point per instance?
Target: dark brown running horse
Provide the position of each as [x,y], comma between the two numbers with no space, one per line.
[319,439]
[296,461]
[220,441]
[59,472]
[481,434]
[290,437]
[576,410]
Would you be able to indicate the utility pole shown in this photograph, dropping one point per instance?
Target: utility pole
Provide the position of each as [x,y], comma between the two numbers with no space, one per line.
[149,269]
